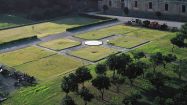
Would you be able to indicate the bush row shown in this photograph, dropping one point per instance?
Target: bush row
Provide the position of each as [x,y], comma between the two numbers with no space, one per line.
[18,41]
[152,25]
[92,24]
[94,16]
[29,24]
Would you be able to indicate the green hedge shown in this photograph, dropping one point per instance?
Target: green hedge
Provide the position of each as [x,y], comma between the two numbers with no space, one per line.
[92,24]
[95,16]
[21,40]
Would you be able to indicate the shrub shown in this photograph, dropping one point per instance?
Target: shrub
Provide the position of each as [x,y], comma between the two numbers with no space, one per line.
[164,27]
[146,23]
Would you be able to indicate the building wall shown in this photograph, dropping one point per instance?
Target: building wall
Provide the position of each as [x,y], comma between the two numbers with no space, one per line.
[174,6]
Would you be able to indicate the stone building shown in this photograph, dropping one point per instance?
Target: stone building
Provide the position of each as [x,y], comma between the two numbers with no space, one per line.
[168,7]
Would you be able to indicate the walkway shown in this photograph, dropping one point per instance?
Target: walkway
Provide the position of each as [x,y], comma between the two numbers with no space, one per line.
[125,19]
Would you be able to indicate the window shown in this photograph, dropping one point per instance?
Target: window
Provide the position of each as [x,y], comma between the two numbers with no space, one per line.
[150,5]
[122,5]
[136,4]
[183,8]
[166,7]
[110,3]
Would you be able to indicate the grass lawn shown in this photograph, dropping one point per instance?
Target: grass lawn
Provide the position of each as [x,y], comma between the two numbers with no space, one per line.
[50,67]
[163,45]
[102,33]
[24,55]
[148,34]
[127,41]
[60,44]
[93,53]
[44,29]
[12,20]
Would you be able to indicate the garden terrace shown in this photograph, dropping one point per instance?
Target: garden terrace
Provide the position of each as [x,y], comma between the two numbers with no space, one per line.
[93,53]
[24,55]
[106,32]
[50,67]
[60,44]
[44,29]
[7,21]
[127,42]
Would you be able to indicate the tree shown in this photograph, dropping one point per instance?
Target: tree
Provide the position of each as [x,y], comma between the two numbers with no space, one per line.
[169,58]
[131,100]
[118,81]
[146,23]
[126,10]
[142,66]
[83,74]
[139,55]
[183,30]
[67,100]
[73,82]
[181,97]
[86,95]
[132,72]
[112,63]
[123,60]
[178,41]
[105,8]
[102,83]
[157,79]
[169,101]
[101,69]
[157,59]
[66,85]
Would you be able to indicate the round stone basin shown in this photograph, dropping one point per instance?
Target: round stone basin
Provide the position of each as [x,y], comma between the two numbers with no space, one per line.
[93,43]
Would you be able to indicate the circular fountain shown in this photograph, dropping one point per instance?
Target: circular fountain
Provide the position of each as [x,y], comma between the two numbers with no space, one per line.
[93,43]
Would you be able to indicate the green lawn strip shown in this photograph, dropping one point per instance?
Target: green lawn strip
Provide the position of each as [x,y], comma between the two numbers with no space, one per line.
[127,42]
[49,67]
[93,53]
[12,20]
[24,55]
[60,44]
[106,32]
[44,29]
[148,34]
[163,45]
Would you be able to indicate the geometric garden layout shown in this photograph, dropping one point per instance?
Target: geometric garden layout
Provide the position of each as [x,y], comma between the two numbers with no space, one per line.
[59,52]
[117,38]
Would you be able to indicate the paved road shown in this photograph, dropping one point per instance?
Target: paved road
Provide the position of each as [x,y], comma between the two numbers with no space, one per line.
[125,19]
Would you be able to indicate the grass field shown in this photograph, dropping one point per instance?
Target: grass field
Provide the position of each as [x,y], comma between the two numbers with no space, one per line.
[127,41]
[11,20]
[105,32]
[148,34]
[50,67]
[60,44]
[163,45]
[24,55]
[138,37]
[44,29]
[93,53]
